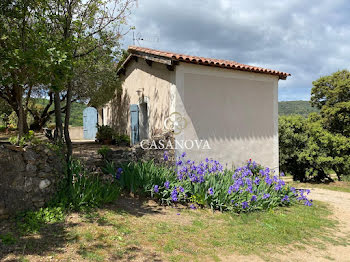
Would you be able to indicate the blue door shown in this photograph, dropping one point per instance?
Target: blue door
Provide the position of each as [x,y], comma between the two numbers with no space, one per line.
[89,123]
[134,120]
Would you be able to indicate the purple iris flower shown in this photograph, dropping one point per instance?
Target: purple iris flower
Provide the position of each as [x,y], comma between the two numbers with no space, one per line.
[118,173]
[245,205]
[156,189]
[266,196]
[166,156]
[166,184]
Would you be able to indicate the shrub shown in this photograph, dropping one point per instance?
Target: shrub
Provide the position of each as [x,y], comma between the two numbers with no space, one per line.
[103,151]
[105,132]
[308,151]
[122,140]
[8,239]
[245,189]
[24,140]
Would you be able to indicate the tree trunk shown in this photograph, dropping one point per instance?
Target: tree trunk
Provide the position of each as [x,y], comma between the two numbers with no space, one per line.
[66,121]
[58,118]
[19,110]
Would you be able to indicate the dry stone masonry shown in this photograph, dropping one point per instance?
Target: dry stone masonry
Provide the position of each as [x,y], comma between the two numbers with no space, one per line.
[28,177]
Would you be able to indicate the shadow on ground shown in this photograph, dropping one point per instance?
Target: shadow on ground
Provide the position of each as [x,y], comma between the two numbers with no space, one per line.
[54,238]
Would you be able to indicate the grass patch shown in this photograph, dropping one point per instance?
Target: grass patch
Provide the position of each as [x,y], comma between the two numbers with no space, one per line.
[191,235]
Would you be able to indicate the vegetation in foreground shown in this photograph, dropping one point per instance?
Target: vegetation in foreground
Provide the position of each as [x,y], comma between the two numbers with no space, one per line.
[311,148]
[134,229]
[207,184]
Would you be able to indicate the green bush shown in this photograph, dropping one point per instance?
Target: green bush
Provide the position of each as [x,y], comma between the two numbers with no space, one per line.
[24,140]
[105,132]
[103,151]
[308,151]
[122,140]
[7,239]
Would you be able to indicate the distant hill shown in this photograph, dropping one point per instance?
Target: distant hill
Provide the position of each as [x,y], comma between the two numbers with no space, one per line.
[295,107]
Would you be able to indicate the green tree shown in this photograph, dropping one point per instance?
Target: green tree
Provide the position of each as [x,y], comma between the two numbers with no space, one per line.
[331,94]
[90,31]
[308,151]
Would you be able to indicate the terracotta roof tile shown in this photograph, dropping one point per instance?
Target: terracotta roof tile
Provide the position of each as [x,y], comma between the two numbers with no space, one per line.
[207,61]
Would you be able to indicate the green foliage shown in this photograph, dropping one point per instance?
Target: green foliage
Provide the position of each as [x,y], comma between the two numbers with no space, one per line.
[246,189]
[303,108]
[105,132]
[85,190]
[103,151]
[308,151]
[7,239]
[331,94]
[24,140]
[140,177]
[77,109]
[122,140]
[32,221]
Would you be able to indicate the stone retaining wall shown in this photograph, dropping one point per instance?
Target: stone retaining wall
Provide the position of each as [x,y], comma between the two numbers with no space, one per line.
[28,177]
[137,153]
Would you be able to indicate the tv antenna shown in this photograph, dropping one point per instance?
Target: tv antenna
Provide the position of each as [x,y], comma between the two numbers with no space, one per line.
[148,38]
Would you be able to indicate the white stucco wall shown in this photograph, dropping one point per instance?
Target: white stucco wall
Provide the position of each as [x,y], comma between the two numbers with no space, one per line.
[155,81]
[237,112]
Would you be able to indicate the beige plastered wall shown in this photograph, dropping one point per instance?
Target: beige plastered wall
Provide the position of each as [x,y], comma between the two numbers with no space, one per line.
[155,82]
[235,111]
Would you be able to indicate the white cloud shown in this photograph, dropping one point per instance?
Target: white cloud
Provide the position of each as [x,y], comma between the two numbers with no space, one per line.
[305,38]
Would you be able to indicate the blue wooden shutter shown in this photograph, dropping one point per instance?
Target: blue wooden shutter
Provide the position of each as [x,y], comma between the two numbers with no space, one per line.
[134,120]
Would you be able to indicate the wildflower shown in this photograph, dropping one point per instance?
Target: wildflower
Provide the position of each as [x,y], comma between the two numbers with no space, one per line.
[254,198]
[257,180]
[308,203]
[211,191]
[118,173]
[245,205]
[277,187]
[166,184]
[181,189]
[174,195]
[166,156]
[156,189]
[266,196]
[285,198]
[268,180]
[183,154]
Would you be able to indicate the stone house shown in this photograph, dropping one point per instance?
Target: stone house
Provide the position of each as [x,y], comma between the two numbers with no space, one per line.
[217,108]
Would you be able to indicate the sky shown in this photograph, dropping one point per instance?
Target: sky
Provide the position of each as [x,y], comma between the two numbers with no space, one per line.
[306,38]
